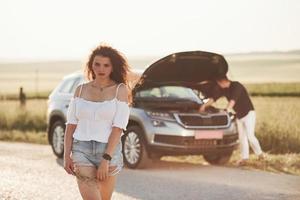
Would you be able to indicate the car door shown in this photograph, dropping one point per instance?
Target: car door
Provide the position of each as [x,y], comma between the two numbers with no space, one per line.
[66,92]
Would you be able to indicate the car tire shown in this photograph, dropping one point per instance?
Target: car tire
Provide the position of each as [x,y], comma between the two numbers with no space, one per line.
[134,148]
[57,133]
[217,159]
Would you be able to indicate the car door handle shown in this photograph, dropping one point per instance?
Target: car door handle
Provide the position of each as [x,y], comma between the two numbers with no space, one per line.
[67,106]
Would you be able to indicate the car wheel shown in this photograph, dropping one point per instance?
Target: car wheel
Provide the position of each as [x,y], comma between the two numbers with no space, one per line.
[134,149]
[57,138]
[218,159]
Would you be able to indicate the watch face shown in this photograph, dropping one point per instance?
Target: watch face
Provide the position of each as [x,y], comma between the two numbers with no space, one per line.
[106,156]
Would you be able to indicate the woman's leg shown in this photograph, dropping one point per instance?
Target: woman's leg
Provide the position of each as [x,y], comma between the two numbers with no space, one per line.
[87,182]
[107,186]
[250,128]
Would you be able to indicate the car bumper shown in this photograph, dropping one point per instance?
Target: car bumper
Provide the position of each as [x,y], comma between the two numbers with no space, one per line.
[180,145]
[192,151]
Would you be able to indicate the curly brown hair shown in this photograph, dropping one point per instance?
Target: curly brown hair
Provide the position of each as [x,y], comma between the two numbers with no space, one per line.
[119,64]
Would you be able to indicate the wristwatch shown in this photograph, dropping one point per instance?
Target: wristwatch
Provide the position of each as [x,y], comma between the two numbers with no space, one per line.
[106,156]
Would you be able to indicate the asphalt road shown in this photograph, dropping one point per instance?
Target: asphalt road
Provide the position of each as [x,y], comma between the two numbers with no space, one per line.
[30,171]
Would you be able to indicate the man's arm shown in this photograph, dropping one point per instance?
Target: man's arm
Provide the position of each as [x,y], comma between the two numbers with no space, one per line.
[213,96]
[235,94]
[230,105]
[206,105]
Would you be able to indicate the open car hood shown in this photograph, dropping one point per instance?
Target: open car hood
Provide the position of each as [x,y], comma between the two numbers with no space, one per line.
[189,69]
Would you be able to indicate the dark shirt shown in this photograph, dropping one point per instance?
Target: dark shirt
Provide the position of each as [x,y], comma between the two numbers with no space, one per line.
[239,94]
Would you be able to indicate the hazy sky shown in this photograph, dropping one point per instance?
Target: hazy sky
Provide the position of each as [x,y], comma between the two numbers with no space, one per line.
[58,29]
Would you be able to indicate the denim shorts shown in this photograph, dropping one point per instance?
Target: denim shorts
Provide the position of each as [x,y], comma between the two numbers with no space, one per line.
[89,153]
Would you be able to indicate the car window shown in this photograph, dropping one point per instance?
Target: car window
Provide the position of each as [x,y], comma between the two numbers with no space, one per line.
[76,83]
[168,91]
[177,92]
[153,92]
[67,86]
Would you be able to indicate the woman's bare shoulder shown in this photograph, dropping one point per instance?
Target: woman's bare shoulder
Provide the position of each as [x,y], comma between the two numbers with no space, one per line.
[79,89]
[122,93]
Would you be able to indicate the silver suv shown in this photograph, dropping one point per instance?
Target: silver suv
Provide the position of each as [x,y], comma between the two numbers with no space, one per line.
[164,117]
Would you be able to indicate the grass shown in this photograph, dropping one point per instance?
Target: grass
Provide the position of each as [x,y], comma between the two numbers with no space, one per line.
[274,89]
[21,136]
[32,117]
[29,95]
[277,123]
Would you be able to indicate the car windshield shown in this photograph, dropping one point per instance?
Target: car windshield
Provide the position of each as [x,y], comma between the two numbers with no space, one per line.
[177,92]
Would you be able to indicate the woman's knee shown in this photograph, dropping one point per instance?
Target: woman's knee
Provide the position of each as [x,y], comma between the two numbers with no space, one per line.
[107,187]
[86,175]
[87,183]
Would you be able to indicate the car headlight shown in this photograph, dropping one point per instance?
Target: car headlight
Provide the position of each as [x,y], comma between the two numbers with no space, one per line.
[160,115]
[231,116]
[157,123]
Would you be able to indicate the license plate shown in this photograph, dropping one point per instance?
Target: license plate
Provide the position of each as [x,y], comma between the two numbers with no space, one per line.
[208,134]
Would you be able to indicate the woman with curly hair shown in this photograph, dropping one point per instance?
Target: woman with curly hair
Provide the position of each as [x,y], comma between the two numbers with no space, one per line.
[97,115]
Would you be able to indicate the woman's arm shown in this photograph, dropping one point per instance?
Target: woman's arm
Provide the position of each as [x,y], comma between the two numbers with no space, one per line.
[68,162]
[68,138]
[113,140]
[118,124]
[115,135]
[70,129]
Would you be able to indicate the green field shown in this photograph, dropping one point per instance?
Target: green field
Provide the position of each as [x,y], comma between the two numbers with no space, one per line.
[32,117]
[277,123]
[274,89]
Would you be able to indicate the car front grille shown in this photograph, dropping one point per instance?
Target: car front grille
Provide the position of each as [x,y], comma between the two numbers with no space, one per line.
[206,121]
[190,141]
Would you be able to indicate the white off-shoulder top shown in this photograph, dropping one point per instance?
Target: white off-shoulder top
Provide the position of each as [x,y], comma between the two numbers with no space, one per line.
[95,120]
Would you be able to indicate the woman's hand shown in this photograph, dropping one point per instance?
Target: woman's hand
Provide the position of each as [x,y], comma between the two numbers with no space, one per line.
[102,172]
[68,165]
